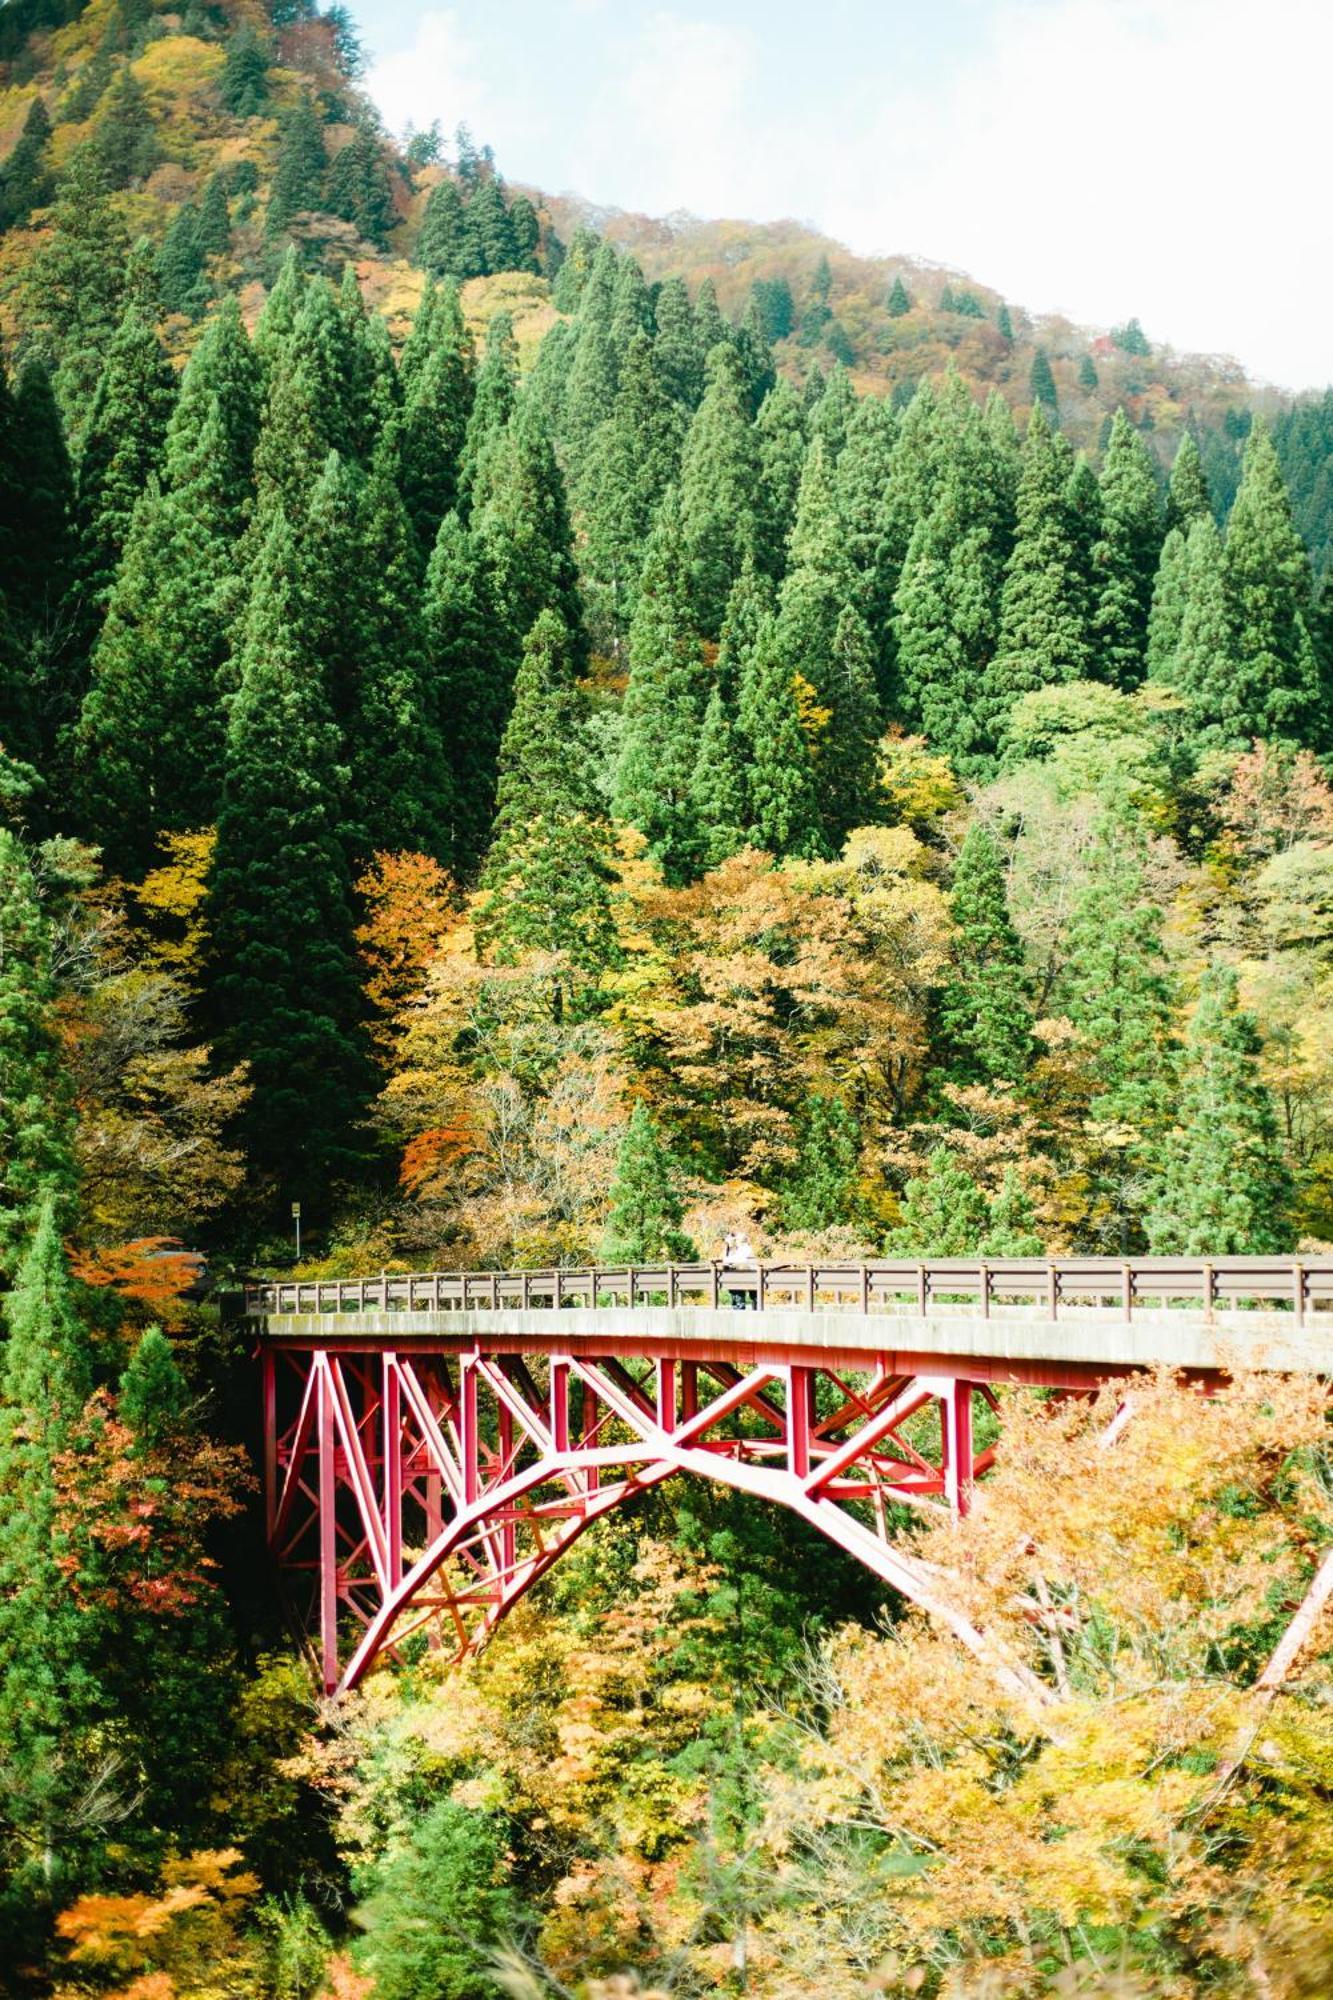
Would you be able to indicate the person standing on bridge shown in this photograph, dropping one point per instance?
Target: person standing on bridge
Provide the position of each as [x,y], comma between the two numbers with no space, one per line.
[738,1253]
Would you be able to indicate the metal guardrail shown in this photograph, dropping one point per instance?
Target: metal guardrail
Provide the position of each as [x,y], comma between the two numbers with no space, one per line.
[1289,1284]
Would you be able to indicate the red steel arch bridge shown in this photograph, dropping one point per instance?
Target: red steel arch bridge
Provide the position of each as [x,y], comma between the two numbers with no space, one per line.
[434,1442]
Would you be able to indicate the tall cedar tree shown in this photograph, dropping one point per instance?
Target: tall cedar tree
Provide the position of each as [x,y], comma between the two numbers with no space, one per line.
[1041,386]
[633,457]
[521,522]
[547,876]
[819,1190]
[718,792]
[437,378]
[282,983]
[374,658]
[1187,498]
[1203,665]
[823,641]
[374,391]
[49,1691]
[26,181]
[179,268]
[36,1114]
[298,179]
[489,217]
[1225,1190]
[1168,605]
[76,284]
[664,704]
[590,388]
[859,488]
[900,301]
[244,83]
[466,682]
[719,492]
[647,1208]
[1124,559]
[37,536]
[124,138]
[676,346]
[494,399]
[1115,987]
[1277,688]
[1044,636]
[122,447]
[985,1013]
[447,245]
[315,403]
[150,738]
[358,188]
[278,317]
[780,778]
[780,432]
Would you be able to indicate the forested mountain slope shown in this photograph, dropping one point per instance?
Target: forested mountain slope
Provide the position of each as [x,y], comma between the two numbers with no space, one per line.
[548,785]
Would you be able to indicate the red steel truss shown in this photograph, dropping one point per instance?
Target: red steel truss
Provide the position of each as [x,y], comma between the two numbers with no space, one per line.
[425,1492]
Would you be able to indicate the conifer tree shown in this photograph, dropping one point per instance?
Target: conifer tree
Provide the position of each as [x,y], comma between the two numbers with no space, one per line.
[358,188]
[49,1694]
[573,275]
[36,1125]
[437,376]
[718,803]
[664,704]
[1043,625]
[180,265]
[467,682]
[494,399]
[1125,558]
[646,1207]
[282,985]
[900,301]
[525,232]
[985,1014]
[488,218]
[633,458]
[755,356]
[943,1213]
[848,767]
[833,413]
[213,228]
[780,778]
[122,445]
[520,519]
[1188,499]
[711,330]
[281,306]
[37,525]
[590,387]
[546,880]
[1225,1187]
[298,179]
[373,390]
[76,284]
[818,1189]
[631,309]
[1203,667]
[1269,594]
[1004,321]
[1041,385]
[1115,987]
[1011,1225]
[780,432]
[244,84]
[1168,606]
[125,138]
[26,181]
[447,245]
[859,489]
[1088,377]
[315,403]
[676,345]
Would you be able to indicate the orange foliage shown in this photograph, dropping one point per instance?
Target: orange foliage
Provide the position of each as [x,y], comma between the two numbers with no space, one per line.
[152,1271]
[428,1153]
[412,905]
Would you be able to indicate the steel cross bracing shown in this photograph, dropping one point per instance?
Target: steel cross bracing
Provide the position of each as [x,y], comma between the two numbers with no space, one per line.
[432,1445]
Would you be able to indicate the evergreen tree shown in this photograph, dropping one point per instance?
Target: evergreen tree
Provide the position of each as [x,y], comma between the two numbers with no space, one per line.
[1011,1226]
[455,1861]
[1269,592]
[833,414]
[282,984]
[316,402]
[180,265]
[1168,606]
[711,330]
[36,1122]
[1115,987]
[1087,372]
[1225,1188]
[847,773]
[631,309]
[447,245]
[943,1213]
[780,778]
[37,530]
[718,805]
[1041,385]
[49,1693]
[437,376]
[632,459]
[358,188]
[525,232]
[467,682]
[574,273]
[1203,666]
[213,228]
[298,178]
[488,218]
[1187,499]
[1125,557]
[547,874]
[27,181]
[676,345]
[780,432]
[985,1015]
[646,1208]
[819,1188]
[758,372]
[590,388]
[278,318]
[76,284]
[1043,624]
[521,522]
[494,399]
[373,394]
[900,301]
[1005,323]
[125,139]
[859,489]
[122,445]
[245,74]
[750,602]
[664,704]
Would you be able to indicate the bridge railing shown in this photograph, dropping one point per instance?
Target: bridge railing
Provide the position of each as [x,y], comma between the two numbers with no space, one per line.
[886,1285]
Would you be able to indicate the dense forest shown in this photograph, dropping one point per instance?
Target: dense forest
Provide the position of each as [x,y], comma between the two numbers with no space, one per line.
[535,767]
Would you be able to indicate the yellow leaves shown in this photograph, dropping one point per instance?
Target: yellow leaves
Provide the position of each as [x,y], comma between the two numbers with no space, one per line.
[175,892]
[919,788]
[173,1945]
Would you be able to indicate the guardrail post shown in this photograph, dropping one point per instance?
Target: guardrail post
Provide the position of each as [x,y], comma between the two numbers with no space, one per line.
[1052,1291]
[809,1287]
[922,1289]
[761,1288]
[1127,1291]
[1209,1293]
[714,1289]
[985,1290]
[1298,1292]
[671,1284]
[865,1289]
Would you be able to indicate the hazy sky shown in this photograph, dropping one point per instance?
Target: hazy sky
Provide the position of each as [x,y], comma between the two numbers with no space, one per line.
[1165,158]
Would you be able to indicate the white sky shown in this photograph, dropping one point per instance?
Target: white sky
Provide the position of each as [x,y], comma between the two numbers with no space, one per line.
[1164,158]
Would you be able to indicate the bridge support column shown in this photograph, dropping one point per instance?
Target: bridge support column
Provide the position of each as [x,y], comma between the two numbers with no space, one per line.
[956,1430]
